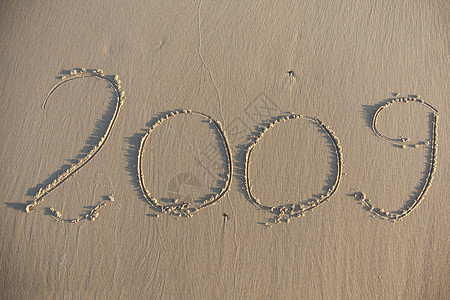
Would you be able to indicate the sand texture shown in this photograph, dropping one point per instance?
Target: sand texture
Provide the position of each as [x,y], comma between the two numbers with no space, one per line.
[224,149]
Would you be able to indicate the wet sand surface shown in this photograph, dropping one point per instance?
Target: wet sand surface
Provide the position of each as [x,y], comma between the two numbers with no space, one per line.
[245,150]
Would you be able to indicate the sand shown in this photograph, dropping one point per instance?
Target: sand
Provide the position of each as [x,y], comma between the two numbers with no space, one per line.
[204,206]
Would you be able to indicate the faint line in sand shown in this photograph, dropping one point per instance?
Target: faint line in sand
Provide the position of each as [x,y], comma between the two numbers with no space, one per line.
[199,46]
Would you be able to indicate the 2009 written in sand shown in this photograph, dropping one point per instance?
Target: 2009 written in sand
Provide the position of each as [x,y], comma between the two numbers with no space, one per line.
[283,213]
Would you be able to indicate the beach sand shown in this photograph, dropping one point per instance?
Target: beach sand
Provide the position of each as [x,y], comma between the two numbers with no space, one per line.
[244,64]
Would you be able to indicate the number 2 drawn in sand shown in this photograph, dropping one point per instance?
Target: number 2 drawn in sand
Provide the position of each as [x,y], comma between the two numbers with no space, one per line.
[39,197]
[403,143]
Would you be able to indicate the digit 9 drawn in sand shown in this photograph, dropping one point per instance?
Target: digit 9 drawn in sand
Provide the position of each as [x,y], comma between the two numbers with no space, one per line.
[39,197]
[182,208]
[403,143]
[287,211]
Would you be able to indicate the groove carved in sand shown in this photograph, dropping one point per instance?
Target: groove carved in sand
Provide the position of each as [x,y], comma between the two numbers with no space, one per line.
[39,197]
[405,142]
[287,211]
[185,209]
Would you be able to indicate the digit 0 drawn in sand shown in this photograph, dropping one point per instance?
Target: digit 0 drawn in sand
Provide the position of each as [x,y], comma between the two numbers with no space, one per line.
[403,143]
[39,197]
[287,211]
[179,208]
